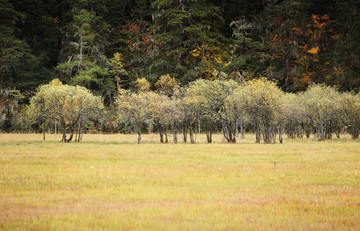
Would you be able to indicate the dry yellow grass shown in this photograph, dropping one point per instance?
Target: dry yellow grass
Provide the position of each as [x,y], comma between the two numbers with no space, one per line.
[107,182]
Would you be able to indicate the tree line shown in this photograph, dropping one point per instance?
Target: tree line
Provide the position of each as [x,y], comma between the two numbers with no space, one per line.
[293,43]
[205,106]
[104,45]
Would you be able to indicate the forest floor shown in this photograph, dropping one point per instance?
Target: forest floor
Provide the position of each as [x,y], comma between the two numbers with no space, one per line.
[108,182]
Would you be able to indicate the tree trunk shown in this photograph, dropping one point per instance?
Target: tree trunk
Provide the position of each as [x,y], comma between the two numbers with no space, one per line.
[321,132]
[44,132]
[149,128]
[232,138]
[209,136]
[161,135]
[237,129]
[184,133]
[139,137]
[166,137]
[258,135]
[80,132]
[192,137]
[338,132]
[71,135]
[64,133]
[354,132]
[199,126]
[242,130]
[175,137]
[76,135]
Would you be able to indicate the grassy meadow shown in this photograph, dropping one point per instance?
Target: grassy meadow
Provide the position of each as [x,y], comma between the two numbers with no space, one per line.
[108,182]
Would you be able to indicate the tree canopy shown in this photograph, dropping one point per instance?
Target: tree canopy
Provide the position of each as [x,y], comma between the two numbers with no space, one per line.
[222,63]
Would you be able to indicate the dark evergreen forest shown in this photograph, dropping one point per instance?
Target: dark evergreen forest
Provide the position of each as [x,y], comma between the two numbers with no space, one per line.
[105,45]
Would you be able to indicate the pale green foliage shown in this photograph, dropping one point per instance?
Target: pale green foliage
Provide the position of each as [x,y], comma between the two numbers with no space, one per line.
[295,119]
[210,96]
[350,113]
[262,102]
[147,107]
[55,82]
[323,107]
[167,85]
[68,105]
[142,85]
[161,111]
[117,68]
[133,108]
[233,117]
[206,99]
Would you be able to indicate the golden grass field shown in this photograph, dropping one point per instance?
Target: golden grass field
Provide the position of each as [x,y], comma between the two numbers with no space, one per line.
[108,182]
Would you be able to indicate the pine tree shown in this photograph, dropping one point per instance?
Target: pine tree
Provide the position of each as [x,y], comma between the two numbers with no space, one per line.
[19,68]
[182,27]
[83,59]
[282,20]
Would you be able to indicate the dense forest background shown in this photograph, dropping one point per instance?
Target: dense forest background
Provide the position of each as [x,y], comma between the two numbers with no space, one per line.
[105,45]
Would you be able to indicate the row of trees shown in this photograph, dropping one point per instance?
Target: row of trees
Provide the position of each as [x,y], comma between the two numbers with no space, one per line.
[106,44]
[206,106]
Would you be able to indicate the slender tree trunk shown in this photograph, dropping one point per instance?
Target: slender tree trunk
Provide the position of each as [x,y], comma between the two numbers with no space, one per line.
[232,137]
[191,136]
[139,137]
[149,128]
[44,132]
[76,135]
[321,132]
[71,135]
[209,136]
[199,126]
[64,133]
[242,130]
[166,137]
[338,132]
[175,136]
[161,135]
[237,129]
[80,132]
[184,133]
[267,136]
[258,134]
